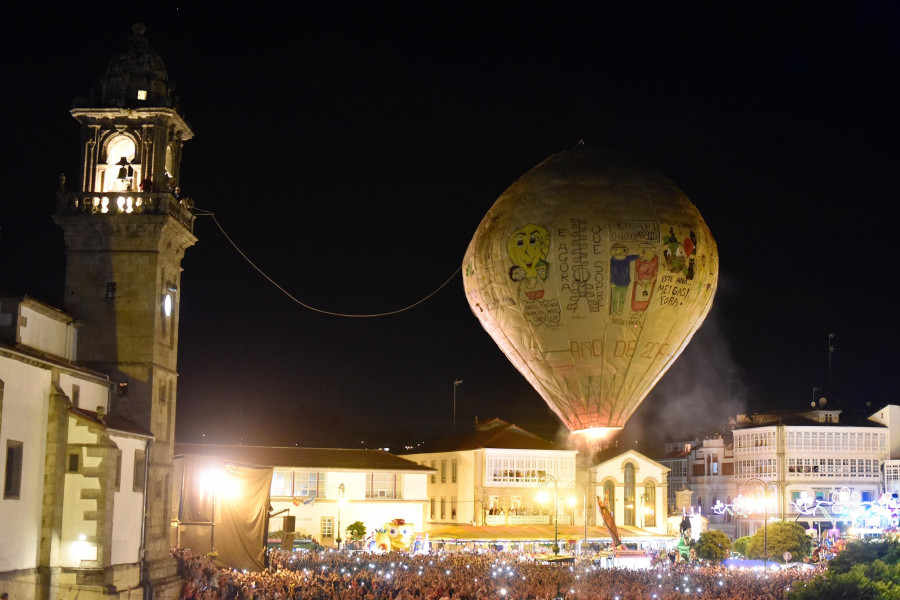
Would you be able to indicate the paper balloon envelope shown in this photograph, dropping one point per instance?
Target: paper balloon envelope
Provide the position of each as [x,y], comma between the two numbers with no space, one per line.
[591,275]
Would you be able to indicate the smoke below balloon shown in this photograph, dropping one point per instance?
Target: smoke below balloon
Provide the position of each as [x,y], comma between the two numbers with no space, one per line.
[694,399]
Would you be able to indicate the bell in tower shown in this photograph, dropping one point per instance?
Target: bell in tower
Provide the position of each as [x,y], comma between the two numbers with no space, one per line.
[125,236]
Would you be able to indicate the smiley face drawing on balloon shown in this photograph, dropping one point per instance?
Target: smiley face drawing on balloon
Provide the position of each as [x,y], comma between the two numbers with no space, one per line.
[528,246]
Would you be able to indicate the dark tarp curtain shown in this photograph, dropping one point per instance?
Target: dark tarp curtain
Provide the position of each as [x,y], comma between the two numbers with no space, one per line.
[241,496]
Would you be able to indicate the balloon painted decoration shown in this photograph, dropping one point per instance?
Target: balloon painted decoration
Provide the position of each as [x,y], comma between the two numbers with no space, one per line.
[591,275]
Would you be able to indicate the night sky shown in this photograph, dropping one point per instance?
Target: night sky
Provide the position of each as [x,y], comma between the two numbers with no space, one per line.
[350,150]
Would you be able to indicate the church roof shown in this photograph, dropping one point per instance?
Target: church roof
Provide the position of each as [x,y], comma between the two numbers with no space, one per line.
[110,422]
[807,419]
[138,68]
[305,458]
[495,434]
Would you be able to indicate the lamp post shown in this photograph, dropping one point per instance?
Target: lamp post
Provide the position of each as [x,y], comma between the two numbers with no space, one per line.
[756,482]
[544,479]
[456,383]
[340,504]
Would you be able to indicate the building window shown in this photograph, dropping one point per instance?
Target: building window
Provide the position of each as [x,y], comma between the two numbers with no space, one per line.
[629,495]
[381,485]
[494,505]
[327,527]
[434,475]
[309,484]
[517,470]
[76,395]
[74,463]
[139,471]
[111,290]
[282,483]
[453,508]
[649,507]
[12,479]
[444,471]
[609,496]
[453,470]
[443,508]
[433,504]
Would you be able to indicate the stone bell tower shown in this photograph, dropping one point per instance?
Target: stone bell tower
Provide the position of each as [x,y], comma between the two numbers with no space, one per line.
[125,236]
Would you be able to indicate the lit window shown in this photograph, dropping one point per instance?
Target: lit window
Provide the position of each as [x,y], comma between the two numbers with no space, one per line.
[142,95]
[282,483]
[382,485]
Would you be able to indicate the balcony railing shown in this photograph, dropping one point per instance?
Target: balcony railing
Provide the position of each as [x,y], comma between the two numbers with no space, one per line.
[504,519]
[127,203]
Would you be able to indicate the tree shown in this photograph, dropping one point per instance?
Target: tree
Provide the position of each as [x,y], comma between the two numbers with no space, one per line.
[713,546]
[356,530]
[740,545]
[860,551]
[868,581]
[781,537]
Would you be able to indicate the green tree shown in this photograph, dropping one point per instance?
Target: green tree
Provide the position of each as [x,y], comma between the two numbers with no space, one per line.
[740,545]
[356,530]
[713,546]
[860,551]
[782,536]
[868,581]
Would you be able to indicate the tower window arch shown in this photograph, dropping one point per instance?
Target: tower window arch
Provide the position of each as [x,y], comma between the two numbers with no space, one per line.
[118,171]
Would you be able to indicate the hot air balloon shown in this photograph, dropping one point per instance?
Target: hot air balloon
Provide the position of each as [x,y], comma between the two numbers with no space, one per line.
[592,275]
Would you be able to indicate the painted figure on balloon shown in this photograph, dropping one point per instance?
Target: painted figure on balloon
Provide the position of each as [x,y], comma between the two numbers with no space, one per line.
[645,269]
[619,277]
[528,246]
[680,254]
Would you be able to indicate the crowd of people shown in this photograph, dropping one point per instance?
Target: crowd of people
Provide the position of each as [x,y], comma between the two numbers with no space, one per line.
[343,575]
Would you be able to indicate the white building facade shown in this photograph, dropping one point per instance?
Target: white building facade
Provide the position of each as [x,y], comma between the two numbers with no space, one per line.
[73,475]
[317,492]
[635,488]
[501,475]
[792,465]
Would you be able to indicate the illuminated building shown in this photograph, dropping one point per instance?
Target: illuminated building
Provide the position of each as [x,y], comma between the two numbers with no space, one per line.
[73,474]
[92,512]
[312,488]
[799,463]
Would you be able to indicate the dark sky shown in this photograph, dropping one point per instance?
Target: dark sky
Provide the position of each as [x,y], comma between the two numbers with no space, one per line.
[351,150]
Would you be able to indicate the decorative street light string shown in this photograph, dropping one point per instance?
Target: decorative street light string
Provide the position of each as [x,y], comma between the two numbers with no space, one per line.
[203,213]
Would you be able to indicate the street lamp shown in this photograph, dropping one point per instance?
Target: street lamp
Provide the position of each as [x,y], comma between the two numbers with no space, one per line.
[456,383]
[754,483]
[544,479]
[340,504]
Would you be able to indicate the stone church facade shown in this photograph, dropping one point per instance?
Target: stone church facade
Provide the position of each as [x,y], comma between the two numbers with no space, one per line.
[88,393]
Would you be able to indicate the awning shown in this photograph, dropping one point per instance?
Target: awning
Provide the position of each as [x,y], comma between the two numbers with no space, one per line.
[522,533]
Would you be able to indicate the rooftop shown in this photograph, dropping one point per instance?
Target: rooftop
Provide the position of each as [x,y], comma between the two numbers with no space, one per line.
[305,458]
